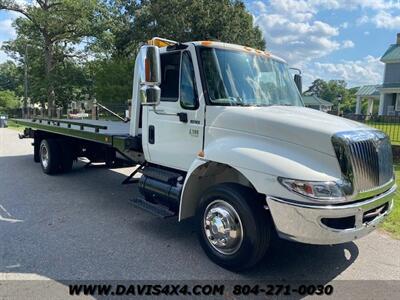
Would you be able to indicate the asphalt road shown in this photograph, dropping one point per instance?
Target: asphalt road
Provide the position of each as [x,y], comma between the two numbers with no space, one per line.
[81,225]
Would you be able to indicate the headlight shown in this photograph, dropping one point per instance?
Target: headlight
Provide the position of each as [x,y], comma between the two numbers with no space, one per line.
[319,190]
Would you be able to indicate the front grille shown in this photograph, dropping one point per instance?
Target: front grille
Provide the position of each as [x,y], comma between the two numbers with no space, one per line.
[365,158]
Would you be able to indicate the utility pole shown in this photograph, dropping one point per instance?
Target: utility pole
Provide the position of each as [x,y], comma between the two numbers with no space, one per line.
[26,109]
[339,99]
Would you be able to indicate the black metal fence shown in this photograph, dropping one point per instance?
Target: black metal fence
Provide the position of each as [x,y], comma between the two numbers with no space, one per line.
[388,124]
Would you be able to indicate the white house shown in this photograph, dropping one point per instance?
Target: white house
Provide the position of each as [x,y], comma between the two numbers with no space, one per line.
[388,93]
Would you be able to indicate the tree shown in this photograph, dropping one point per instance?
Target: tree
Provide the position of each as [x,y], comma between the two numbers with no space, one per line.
[10,77]
[333,90]
[70,78]
[112,79]
[129,23]
[186,20]
[317,87]
[8,100]
[59,34]
[57,24]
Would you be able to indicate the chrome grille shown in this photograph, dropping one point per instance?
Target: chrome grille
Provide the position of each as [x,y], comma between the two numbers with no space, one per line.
[365,162]
[365,158]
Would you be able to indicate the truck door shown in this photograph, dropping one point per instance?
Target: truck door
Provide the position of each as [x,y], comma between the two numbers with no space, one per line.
[174,134]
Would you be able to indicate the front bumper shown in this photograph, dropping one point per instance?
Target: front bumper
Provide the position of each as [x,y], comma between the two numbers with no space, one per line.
[332,224]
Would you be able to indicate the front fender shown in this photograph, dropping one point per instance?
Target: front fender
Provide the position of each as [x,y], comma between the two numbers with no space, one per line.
[260,161]
[273,157]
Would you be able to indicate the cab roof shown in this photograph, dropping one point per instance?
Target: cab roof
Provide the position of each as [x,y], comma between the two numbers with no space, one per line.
[163,43]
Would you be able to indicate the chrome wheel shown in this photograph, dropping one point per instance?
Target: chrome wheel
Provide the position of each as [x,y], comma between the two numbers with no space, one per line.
[44,156]
[223,227]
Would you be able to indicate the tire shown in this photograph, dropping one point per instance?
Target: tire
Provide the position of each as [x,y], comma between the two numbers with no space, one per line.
[36,150]
[111,158]
[248,219]
[67,159]
[50,156]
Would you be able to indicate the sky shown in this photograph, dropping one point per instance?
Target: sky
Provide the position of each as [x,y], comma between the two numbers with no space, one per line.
[328,39]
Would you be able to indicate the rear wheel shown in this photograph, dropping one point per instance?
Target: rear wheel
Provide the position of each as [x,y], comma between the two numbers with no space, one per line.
[233,228]
[49,152]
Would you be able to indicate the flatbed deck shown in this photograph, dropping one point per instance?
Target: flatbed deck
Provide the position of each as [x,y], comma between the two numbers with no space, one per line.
[113,133]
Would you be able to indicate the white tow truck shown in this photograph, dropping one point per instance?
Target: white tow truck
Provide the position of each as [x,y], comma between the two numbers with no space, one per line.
[220,133]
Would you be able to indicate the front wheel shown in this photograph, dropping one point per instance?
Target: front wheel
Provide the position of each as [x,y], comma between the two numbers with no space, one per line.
[234,229]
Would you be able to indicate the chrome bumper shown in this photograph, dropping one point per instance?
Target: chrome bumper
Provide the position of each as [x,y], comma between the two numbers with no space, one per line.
[307,223]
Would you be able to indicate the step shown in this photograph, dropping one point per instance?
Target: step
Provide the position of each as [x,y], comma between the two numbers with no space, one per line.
[153,208]
[160,174]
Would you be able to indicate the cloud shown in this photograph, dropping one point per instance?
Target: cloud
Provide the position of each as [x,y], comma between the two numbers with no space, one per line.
[347,44]
[315,5]
[291,32]
[368,70]
[3,55]
[386,20]
[6,29]
[295,40]
[362,20]
[7,32]
[259,6]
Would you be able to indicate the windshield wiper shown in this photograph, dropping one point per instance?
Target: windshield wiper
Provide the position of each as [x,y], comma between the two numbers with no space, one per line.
[237,100]
[230,100]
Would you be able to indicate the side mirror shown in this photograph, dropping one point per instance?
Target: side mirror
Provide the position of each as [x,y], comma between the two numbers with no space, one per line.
[150,95]
[298,81]
[150,75]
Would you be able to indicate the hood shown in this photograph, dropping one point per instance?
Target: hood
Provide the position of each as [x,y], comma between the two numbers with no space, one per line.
[299,125]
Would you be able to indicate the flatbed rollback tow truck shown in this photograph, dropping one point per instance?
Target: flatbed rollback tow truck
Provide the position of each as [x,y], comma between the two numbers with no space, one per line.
[219,132]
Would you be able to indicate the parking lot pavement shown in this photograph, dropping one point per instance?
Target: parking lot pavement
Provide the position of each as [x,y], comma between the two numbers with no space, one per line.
[81,225]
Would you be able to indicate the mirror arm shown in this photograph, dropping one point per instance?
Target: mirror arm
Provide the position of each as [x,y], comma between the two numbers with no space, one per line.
[296,69]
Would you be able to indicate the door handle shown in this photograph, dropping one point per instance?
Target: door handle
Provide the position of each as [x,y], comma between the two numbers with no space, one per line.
[183,117]
[151,134]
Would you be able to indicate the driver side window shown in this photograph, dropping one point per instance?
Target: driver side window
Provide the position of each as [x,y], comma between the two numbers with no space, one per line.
[188,91]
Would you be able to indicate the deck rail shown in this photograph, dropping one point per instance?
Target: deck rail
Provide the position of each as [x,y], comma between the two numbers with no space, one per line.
[81,125]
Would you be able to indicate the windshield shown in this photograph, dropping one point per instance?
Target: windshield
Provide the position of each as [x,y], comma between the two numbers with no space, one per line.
[247,79]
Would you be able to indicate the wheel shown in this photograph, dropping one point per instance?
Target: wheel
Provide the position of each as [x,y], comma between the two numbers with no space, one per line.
[50,156]
[233,228]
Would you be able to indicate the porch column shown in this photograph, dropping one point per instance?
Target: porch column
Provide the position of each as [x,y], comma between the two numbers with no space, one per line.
[381,104]
[358,105]
[370,106]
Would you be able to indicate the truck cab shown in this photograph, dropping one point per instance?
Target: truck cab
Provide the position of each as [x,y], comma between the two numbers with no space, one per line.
[254,159]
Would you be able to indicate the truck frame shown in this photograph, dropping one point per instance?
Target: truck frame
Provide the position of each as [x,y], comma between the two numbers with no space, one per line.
[219,133]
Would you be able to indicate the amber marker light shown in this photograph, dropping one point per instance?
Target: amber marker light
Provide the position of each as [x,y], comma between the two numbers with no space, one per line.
[206,43]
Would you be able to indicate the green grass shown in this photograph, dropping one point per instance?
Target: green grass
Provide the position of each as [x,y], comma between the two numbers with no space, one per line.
[391,129]
[15,126]
[392,223]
